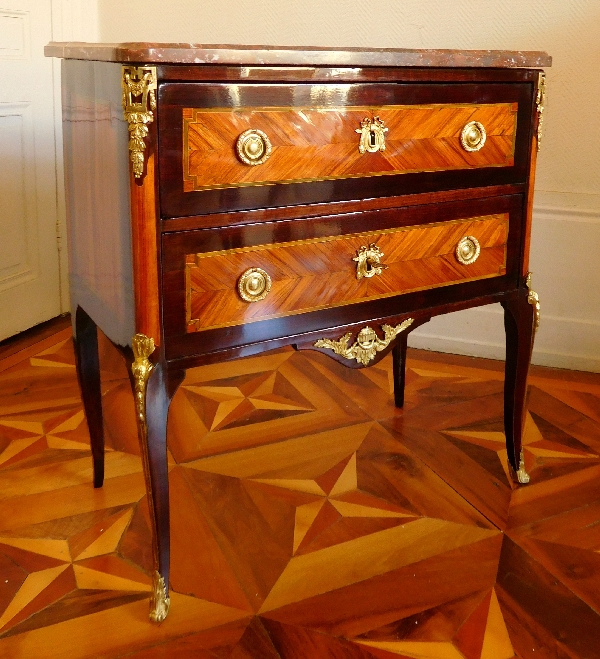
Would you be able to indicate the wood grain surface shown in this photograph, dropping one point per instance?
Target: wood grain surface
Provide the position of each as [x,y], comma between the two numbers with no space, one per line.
[312,74]
[144,214]
[316,143]
[318,273]
[224,219]
[289,465]
[529,213]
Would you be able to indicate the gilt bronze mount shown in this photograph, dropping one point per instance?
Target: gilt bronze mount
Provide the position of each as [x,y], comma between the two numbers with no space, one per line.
[367,344]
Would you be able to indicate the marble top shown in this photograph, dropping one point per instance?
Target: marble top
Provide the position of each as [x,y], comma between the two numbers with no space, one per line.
[183,53]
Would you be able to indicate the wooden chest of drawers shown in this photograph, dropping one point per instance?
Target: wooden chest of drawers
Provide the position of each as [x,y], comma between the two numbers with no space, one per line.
[225,201]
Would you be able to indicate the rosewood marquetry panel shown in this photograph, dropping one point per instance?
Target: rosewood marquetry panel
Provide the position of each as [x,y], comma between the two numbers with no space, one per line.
[322,272]
[312,143]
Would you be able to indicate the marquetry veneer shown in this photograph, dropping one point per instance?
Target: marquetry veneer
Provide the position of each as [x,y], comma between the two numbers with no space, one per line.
[252,198]
[320,143]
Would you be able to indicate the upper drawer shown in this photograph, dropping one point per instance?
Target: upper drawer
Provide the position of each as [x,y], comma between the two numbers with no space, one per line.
[233,147]
[224,148]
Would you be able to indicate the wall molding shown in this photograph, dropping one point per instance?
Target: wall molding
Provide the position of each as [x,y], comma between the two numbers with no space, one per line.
[21,258]
[567,214]
[19,46]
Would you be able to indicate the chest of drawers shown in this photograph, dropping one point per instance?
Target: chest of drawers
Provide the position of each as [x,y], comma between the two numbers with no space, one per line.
[225,201]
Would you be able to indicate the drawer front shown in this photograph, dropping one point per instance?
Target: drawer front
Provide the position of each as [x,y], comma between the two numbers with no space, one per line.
[328,272]
[314,283]
[306,144]
[239,147]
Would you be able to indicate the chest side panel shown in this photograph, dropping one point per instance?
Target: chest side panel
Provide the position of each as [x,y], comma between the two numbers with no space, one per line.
[101,269]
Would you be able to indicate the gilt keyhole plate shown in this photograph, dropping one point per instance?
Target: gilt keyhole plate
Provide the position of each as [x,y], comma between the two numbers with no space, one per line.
[372,135]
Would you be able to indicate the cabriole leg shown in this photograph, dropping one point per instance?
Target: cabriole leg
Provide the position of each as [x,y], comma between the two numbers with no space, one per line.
[87,362]
[521,319]
[153,390]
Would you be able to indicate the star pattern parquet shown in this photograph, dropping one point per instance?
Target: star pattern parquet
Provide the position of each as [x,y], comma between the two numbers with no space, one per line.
[310,517]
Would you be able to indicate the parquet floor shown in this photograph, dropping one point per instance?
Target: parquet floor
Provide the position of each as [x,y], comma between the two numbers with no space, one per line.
[310,518]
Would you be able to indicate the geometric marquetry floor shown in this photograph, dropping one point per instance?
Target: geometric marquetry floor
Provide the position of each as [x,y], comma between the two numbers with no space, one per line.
[310,518]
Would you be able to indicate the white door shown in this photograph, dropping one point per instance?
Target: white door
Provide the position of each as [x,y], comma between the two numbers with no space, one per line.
[29,259]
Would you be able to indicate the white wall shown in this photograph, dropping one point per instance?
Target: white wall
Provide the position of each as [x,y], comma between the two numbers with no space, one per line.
[566,229]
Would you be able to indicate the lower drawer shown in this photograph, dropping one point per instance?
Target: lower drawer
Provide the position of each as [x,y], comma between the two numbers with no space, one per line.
[238,286]
[231,287]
